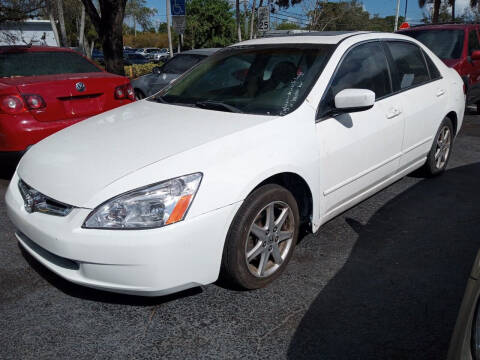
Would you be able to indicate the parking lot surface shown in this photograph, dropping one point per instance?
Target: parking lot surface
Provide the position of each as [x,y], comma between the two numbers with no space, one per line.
[384,280]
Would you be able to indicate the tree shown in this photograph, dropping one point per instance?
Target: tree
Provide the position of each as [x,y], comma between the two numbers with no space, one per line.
[287,26]
[19,10]
[436,8]
[210,24]
[61,20]
[339,16]
[237,19]
[139,13]
[109,29]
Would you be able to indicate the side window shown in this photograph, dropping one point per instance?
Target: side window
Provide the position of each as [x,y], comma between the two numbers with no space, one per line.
[473,42]
[364,67]
[410,64]
[432,68]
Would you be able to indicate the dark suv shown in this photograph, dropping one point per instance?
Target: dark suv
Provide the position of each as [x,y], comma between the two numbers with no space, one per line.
[459,47]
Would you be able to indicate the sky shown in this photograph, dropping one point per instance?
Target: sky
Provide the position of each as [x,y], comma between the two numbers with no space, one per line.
[381,7]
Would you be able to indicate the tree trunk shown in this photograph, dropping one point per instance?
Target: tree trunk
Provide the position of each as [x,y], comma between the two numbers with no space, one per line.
[237,15]
[252,20]
[453,10]
[110,31]
[52,22]
[81,35]
[436,10]
[245,11]
[61,19]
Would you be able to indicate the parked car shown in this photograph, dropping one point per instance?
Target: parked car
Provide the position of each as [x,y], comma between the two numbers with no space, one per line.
[160,77]
[133,58]
[148,52]
[162,55]
[465,342]
[97,56]
[458,46]
[216,173]
[45,89]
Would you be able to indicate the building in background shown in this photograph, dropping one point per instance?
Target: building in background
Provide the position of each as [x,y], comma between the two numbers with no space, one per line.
[35,32]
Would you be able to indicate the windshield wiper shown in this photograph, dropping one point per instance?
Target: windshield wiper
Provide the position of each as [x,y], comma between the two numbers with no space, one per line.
[211,105]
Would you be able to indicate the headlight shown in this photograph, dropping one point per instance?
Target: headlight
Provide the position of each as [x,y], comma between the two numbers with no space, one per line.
[149,207]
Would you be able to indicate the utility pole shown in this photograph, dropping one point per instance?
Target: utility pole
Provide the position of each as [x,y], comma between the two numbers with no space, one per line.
[396,16]
[169,32]
[406,7]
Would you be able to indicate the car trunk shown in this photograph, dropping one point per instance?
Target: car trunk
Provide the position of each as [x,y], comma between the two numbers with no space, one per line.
[64,99]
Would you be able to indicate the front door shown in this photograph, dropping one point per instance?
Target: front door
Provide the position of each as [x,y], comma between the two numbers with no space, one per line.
[360,149]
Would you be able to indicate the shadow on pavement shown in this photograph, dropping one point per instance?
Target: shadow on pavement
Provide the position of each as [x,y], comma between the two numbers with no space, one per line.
[86,293]
[398,294]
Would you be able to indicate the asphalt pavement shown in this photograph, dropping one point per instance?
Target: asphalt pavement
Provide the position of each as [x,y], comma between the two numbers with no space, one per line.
[384,280]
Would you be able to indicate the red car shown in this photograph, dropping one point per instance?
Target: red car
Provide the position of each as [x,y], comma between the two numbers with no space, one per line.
[458,46]
[45,89]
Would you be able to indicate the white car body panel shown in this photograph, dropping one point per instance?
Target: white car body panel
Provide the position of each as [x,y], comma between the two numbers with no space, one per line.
[342,159]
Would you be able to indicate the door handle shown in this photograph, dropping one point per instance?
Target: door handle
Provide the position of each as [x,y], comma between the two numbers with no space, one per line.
[440,92]
[393,113]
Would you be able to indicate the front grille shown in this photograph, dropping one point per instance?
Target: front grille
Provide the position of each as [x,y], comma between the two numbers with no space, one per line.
[35,201]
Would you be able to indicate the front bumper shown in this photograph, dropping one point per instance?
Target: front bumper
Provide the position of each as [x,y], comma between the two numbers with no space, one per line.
[140,262]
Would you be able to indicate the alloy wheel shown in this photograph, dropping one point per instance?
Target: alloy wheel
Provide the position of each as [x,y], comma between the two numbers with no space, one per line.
[442,151]
[269,239]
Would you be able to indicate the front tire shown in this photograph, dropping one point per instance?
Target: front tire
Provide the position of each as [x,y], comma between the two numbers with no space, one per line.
[441,150]
[261,238]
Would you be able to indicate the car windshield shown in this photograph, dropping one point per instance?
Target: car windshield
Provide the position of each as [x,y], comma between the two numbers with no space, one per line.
[446,44]
[181,63]
[267,80]
[43,63]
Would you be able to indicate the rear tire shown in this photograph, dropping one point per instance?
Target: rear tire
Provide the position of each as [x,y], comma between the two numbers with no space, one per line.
[261,238]
[439,155]
[139,95]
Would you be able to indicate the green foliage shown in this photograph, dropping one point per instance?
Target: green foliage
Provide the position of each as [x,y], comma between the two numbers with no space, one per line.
[287,26]
[136,70]
[19,10]
[138,12]
[343,15]
[210,23]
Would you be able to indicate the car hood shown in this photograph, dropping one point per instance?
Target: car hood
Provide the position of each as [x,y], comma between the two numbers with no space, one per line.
[74,164]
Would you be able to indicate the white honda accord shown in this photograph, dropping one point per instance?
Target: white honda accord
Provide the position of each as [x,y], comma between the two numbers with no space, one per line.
[214,175]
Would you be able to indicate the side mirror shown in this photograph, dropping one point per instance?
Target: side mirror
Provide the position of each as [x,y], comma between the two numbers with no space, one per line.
[352,100]
[476,55]
[157,70]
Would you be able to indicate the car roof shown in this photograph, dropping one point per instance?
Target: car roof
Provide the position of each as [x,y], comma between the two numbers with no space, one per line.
[313,37]
[33,48]
[205,51]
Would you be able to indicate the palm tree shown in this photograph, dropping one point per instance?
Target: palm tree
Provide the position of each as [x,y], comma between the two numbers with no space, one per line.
[436,7]
[452,4]
[237,15]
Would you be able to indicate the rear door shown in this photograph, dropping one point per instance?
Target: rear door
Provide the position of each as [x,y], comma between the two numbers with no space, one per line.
[362,149]
[423,97]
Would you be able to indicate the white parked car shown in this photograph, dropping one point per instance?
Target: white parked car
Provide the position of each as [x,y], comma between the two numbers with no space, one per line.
[215,174]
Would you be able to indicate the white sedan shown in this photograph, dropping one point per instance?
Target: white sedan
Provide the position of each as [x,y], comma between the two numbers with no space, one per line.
[214,175]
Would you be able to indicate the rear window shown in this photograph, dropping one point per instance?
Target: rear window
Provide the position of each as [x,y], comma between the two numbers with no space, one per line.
[446,44]
[43,63]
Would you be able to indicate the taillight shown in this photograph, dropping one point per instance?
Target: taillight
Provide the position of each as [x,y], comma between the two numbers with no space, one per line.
[125,92]
[12,104]
[34,102]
